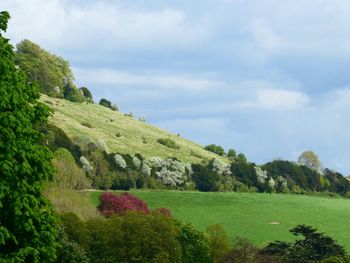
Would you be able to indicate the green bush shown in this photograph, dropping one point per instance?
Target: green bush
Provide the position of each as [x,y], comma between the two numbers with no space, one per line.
[215,149]
[69,251]
[71,93]
[87,124]
[168,143]
[87,94]
[194,244]
[67,174]
[106,103]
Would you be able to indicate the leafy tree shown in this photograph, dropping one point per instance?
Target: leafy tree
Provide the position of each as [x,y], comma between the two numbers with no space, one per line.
[106,103]
[194,244]
[243,251]
[72,93]
[241,158]
[67,174]
[134,237]
[314,247]
[215,149]
[311,160]
[27,222]
[244,172]
[218,242]
[205,179]
[337,182]
[51,72]
[69,251]
[231,154]
[87,94]
[75,229]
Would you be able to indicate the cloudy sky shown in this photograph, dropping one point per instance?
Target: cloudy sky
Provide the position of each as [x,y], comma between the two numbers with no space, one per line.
[269,78]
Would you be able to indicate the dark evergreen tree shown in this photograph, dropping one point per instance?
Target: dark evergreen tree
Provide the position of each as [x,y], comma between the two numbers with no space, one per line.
[27,222]
[314,247]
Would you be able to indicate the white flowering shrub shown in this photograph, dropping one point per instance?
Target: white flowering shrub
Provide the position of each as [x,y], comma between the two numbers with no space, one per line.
[188,167]
[86,165]
[282,184]
[221,168]
[261,175]
[172,172]
[153,162]
[271,183]
[170,178]
[146,170]
[137,162]
[119,160]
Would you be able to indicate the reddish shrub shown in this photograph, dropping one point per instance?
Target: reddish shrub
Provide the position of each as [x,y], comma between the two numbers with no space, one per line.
[119,204]
[164,211]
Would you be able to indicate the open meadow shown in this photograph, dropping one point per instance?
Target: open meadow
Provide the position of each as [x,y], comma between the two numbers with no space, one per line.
[258,217]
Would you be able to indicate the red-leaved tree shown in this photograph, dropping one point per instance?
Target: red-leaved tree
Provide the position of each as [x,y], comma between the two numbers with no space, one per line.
[119,204]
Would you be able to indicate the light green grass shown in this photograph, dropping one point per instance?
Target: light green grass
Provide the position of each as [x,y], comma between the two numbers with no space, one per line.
[106,123]
[258,217]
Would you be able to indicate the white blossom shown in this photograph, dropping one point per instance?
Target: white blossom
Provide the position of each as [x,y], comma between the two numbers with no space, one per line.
[119,160]
[145,169]
[261,175]
[221,168]
[137,162]
[271,183]
[86,165]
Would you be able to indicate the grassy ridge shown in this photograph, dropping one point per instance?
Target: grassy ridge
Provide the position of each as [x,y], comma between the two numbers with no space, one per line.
[136,136]
[258,217]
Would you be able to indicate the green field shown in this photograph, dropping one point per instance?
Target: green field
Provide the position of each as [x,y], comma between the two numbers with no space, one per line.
[258,217]
[135,136]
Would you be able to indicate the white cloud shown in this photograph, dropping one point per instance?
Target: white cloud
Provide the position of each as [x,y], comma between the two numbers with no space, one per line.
[281,99]
[276,99]
[143,81]
[53,23]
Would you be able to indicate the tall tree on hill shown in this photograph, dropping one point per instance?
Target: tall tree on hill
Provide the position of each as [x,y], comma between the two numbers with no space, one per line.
[51,72]
[27,221]
[311,160]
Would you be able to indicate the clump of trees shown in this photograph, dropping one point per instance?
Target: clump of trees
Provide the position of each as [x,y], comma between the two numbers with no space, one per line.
[215,149]
[311,246]
[132,236]
[52,73]
[106,103]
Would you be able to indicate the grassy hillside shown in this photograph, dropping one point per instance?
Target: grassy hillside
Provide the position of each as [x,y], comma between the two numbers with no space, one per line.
[258,217]
[135,136]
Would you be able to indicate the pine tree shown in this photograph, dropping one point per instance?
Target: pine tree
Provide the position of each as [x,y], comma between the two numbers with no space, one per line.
[27,221]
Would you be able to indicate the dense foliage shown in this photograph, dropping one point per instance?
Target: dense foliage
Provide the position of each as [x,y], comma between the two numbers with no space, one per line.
[51,72]
[106,103]
[136,237]
[215,149]
[27,222]
[111,204]
[314,247]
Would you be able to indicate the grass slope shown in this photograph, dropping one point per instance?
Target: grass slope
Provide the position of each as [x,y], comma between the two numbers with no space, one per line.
[258,217]
[106,123]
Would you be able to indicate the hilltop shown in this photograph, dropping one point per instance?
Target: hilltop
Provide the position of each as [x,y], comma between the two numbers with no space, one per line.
[84,122]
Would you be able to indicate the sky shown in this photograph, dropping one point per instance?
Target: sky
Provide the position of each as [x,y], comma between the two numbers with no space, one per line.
[268,78]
